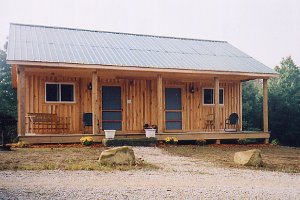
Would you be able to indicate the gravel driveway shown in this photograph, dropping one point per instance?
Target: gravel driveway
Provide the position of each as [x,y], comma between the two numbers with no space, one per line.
[178,178]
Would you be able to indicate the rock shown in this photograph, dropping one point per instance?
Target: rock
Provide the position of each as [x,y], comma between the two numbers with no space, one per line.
[118,156]
[248,158]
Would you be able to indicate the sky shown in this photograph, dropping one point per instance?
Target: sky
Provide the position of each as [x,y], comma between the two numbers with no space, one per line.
[267,30]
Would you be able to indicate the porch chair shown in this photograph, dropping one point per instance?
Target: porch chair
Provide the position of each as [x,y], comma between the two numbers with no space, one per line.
[87,120]
[230,122]
[209,122]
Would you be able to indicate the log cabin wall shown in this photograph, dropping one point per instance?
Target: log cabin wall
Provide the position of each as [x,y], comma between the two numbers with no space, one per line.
[35,99]
[195,112]
[139,102]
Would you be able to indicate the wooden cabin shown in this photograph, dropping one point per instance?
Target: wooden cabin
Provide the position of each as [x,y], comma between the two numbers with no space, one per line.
[74,82]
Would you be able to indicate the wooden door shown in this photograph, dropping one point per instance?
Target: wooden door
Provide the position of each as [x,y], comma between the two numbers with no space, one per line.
[173,109]
[111,108]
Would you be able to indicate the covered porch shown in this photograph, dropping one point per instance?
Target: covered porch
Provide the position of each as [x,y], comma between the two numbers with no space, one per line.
[143,101]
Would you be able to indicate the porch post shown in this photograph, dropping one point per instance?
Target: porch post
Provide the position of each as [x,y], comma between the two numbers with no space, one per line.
[159,104]
[216,98]
[95,103]
[241,108]
[21,100]
[265,105]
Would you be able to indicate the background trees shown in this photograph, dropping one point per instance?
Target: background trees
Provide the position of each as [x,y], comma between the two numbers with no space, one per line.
[284,104]
[252,105]
[8,97]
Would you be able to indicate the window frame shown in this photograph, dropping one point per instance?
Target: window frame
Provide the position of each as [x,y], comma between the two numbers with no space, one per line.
[60,83]
[205,104]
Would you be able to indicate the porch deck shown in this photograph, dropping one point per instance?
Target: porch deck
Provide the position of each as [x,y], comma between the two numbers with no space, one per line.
[74,138]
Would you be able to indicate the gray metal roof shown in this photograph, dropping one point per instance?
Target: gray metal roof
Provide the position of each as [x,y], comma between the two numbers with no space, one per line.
[66,45]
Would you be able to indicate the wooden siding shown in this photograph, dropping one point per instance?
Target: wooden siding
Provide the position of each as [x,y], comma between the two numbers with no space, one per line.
[139,101]
[35,99]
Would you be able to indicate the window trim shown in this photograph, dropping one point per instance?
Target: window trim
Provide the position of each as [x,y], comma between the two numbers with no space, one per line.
[60,83]
[213,96]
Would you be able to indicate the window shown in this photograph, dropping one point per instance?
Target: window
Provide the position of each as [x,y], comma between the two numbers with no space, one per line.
[208,96]
[60,92]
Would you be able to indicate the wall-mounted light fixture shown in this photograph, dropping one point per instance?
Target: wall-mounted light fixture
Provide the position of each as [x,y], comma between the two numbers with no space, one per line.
[191,89]
[90,86]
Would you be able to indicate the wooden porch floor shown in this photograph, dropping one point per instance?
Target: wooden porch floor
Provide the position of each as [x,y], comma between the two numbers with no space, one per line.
[74,138]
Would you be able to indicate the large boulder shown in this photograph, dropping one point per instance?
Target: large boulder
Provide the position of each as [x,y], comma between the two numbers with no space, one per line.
[248,158]
[117,156]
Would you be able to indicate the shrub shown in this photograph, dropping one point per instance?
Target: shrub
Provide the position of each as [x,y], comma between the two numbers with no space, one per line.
[246,141]
[130,142]
[200,142]
[171,140]
[86,141]
[275,142]
[22,144]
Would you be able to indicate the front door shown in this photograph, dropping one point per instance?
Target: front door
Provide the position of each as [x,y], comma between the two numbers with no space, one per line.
[111,108]
[173,109]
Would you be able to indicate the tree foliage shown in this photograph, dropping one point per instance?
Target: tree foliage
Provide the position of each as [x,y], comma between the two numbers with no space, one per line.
[252,106]
[284,104]
[8,99]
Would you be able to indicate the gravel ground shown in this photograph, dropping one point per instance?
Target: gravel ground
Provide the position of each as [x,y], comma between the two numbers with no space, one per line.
[178,178]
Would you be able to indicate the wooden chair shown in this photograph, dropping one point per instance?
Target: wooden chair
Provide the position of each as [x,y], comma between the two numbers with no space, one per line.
[230,122]
[87,121]
[209,122]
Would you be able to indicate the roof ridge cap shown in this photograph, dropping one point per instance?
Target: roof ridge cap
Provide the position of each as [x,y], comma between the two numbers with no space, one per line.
[124,33]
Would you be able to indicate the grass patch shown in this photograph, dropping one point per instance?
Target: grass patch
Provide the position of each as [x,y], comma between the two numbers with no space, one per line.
[68,158]
[275,158]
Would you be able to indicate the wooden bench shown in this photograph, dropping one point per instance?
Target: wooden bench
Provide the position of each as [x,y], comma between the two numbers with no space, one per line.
[46,123]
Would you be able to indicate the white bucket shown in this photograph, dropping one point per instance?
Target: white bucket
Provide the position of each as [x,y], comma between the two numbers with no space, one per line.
[110,134]
[150,133]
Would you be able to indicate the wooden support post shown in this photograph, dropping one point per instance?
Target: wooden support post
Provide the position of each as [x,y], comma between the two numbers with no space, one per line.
[21,93]
[267,141]
[216,99]
[265,105]
[241,108]
[95,103]
[218,141]
[159,104]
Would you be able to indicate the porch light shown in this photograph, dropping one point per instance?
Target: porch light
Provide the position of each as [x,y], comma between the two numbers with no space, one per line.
[89,86]
[192,89]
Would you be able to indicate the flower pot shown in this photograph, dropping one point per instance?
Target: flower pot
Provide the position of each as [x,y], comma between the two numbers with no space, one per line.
[110,134]
[150,133]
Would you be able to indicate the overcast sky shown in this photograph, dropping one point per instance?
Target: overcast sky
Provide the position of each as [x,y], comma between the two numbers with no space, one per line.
[265,29]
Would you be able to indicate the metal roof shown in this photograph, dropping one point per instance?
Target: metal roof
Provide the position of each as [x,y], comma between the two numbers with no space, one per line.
[66,45]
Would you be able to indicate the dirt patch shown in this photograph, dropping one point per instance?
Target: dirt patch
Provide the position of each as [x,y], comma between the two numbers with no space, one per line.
[179,177]
[72,157]
[275,158]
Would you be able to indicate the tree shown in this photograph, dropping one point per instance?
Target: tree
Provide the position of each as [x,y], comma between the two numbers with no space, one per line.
[8,97]
[284,103]
[252,105]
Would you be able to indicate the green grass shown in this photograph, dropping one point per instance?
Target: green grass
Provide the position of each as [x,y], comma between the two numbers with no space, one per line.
[69,158]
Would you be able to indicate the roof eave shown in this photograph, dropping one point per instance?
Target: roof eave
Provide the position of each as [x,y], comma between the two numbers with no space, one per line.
[136,68]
